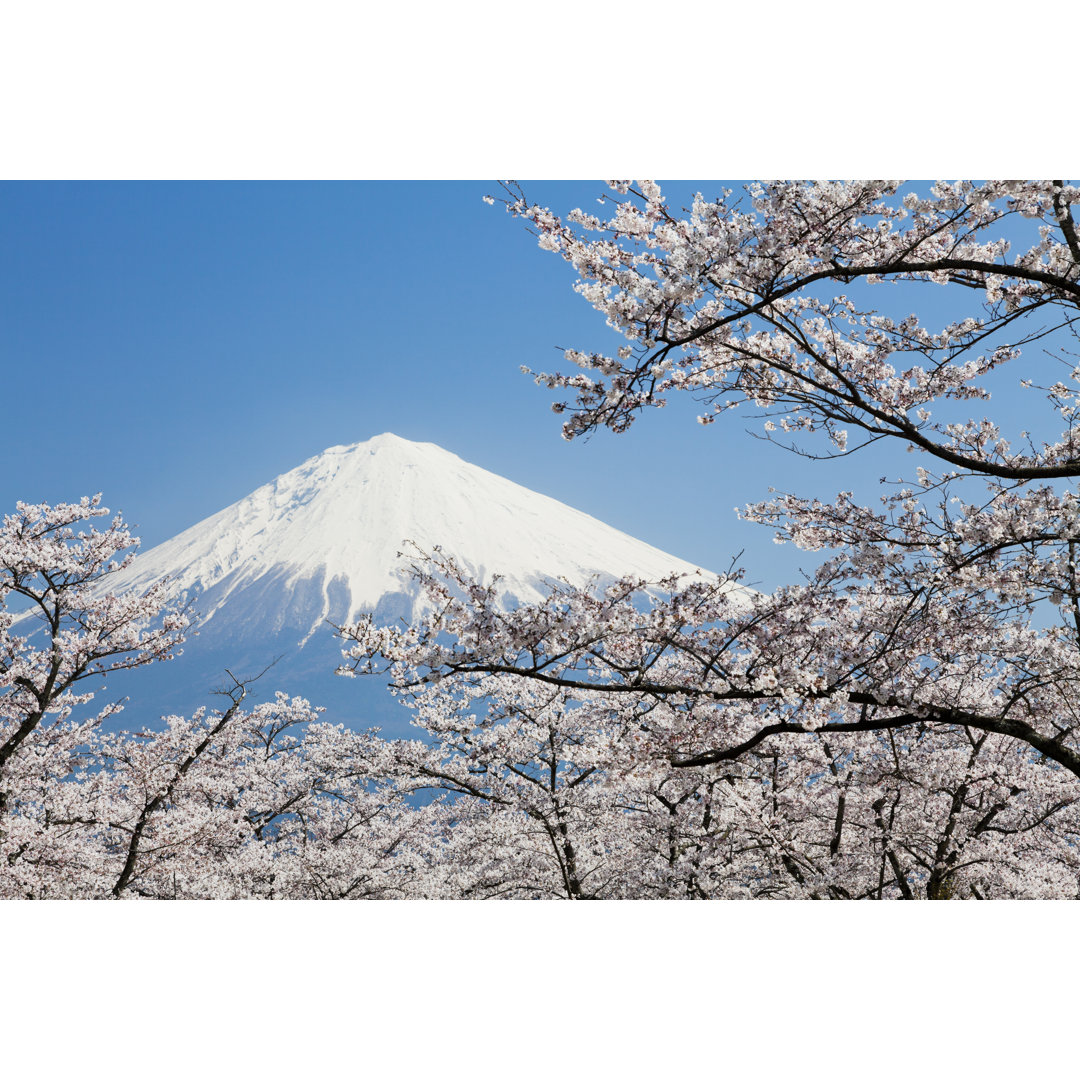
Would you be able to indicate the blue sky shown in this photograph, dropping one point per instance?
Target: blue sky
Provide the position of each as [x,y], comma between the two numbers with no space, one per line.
[174,345]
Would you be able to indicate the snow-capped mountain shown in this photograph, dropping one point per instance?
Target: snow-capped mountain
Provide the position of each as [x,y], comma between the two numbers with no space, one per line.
[323,541]
[320,544]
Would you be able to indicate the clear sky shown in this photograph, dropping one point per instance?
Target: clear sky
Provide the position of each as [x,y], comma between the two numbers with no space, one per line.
[175,345]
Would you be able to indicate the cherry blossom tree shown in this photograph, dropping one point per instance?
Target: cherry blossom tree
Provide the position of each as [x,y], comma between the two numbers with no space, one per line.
[66,633]
[261,803]
[227,803]
[591,769]
[907,714]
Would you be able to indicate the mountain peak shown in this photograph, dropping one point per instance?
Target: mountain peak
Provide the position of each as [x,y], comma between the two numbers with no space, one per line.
[323,540]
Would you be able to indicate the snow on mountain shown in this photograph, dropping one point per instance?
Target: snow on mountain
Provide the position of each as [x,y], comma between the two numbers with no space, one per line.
[320,544]
[323,540]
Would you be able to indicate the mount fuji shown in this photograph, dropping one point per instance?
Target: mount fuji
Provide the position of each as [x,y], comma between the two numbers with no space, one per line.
[268,575]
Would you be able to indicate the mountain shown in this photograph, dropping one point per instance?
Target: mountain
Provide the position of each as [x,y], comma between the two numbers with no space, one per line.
[321,543]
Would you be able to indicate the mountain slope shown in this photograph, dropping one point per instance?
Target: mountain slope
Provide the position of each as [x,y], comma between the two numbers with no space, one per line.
[323,540]
[318,545]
